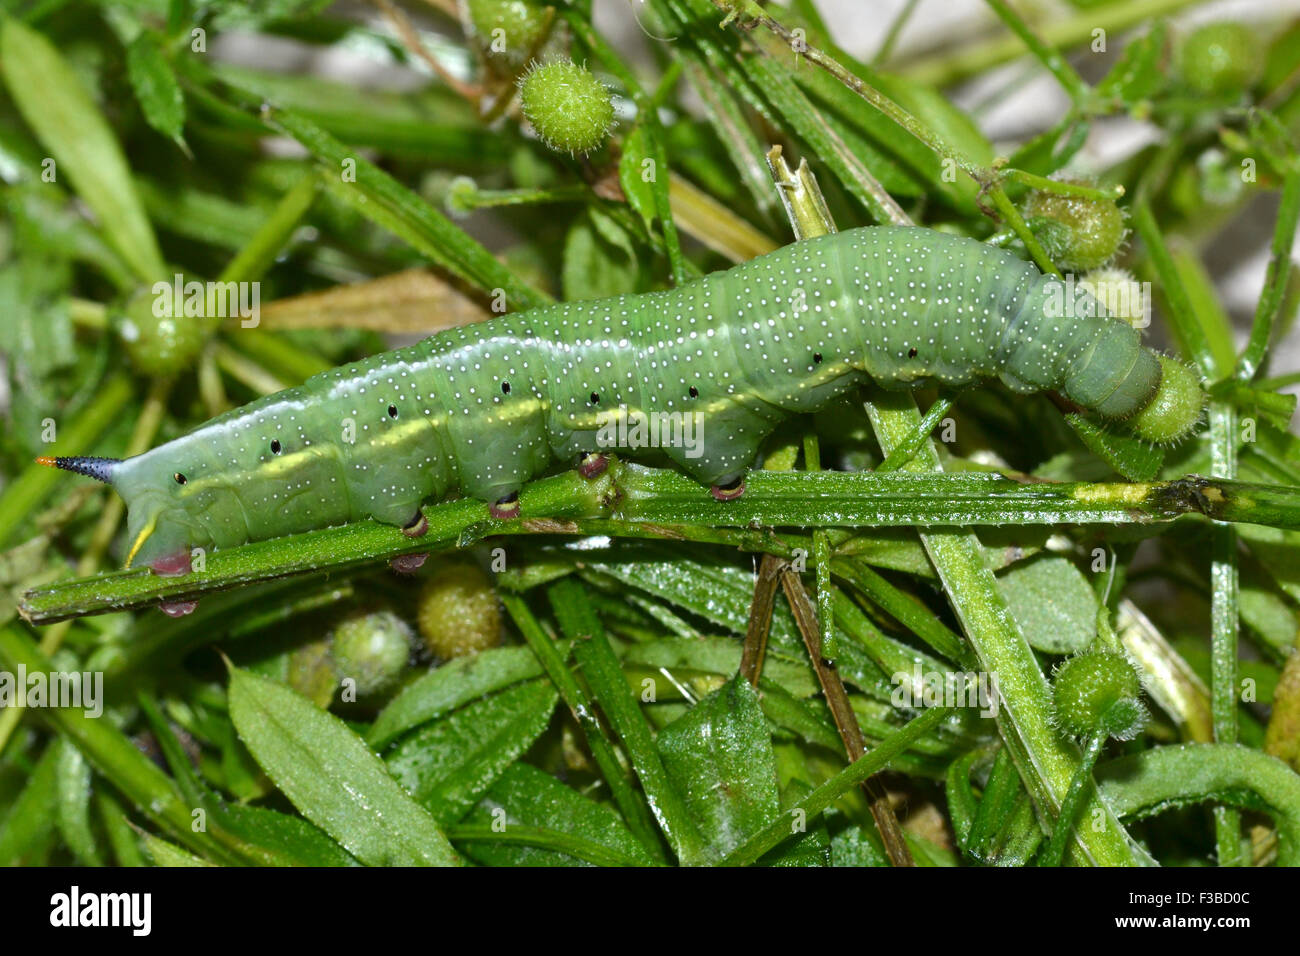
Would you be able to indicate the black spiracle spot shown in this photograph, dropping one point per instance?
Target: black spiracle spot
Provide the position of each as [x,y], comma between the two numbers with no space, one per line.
[817,358]
[595,398]
[505,388]
[392,411]
[911,353]
[694,392]
[179,478]
[275,446]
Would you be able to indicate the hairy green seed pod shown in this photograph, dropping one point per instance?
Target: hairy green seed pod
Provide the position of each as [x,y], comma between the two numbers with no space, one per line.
[1087,234]
[571,110]
[1220,58]
[159,344]
[372,649]
[312,672]
[508,29]
[1099,693]
[458,610]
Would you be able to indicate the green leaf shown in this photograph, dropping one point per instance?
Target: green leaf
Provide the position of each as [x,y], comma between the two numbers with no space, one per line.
[1049,151]
[1135,459]
[448,764]
[716,591]
[1004,831]
[455,683]
[962,803]
[73,808]
[169,854]
[389,203]
[599,258]
[809,720]
[631,174]
[60,111]
[716,655]
[524,795]
[1163,778]
[286,836]
[1137,75]
[26,832]
[160,96]
[812,847]
[719,757]
[1052,602]
[854,846]
[1279,553]
[121,836]
[332,777]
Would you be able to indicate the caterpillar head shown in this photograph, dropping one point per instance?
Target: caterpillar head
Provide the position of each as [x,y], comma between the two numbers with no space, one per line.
[1174,409]
[162,526]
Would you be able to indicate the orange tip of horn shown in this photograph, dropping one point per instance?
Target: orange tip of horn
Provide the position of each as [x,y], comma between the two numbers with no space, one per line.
[46,461]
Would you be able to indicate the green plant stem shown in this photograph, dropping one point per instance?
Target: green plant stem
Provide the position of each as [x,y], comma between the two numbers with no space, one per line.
[1060,188]
[1046,763]
[948,66]
[446,243]
[1181,314]
[1051,58]
[1225,598]
[1012,217]
[260,252]
[770,80]
[891,36]
[608,682]
[1278,382]
[907,449]
[634,501]
[1276,279]
[579,702]
[1070,805]
[496,198]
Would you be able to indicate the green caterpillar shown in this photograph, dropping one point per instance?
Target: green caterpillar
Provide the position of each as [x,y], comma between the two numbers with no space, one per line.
[481,409]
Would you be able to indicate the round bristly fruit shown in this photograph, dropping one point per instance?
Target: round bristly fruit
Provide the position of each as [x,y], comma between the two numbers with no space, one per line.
[509,29]
[1099,693]
[570,109]
[1088,232]
[160,338]
[372,649]
[458,610]
[311,671]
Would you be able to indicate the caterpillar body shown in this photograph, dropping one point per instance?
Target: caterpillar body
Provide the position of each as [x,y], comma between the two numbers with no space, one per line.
[480,409]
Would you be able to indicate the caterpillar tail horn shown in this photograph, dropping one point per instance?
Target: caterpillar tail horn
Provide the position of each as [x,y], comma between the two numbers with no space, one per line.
[101,469]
